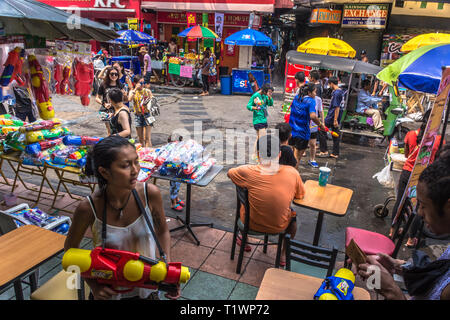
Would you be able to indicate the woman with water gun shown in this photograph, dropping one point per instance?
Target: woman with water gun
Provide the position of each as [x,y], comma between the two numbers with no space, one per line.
[113,212]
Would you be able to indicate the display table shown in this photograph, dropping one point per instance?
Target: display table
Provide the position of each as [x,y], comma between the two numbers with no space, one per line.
[24,250]
[330,199]
[203,182]
[279,284]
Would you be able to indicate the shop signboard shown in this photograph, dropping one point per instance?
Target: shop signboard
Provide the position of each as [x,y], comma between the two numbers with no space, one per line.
[428,140]
[390,48]
[370,16]
[325,16]
[229,20]
[133,24]
[241,83]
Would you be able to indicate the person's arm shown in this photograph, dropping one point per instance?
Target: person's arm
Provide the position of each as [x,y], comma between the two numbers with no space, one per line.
[131,94]
[123,120]
[82,219]
[101,75]
[316,120]
[445,294]
[250,104]
[98,99]
[269,100]
[336,116]
[145,66]
[159,219]
[299,187]
[238,176]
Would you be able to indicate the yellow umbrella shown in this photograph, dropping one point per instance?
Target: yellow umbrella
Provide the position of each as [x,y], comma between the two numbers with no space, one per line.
[327,46]
[425,40]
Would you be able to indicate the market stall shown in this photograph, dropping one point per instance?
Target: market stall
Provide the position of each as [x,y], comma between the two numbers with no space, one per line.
[250,69]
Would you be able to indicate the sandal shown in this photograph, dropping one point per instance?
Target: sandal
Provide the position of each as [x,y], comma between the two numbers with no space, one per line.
[412,242]
[323,155]
[333,156]
[177,207]
[247,247]
[181,203]
[282,263]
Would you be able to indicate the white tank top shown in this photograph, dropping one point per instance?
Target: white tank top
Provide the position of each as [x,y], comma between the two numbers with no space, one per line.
[136,237]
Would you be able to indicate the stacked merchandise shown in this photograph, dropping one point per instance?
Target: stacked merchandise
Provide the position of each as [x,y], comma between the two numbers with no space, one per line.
[39,218]
[181,159]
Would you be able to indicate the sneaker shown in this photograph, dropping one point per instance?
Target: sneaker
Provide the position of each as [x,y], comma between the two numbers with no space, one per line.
[177,207]
[313,164]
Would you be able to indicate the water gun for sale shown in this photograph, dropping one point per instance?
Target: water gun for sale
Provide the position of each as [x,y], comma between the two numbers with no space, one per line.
[13,67]
[40,135]
[37,147]
[84,77]
[64,86]
[77,163]
[337,287]
[40,89]
[7,129]
[57,75]
[333,133]
[81,140]
[12,122]
[39,125]
[126,269]
[77,155]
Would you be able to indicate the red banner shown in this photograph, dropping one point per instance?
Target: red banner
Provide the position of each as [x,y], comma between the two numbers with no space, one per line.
[230,20]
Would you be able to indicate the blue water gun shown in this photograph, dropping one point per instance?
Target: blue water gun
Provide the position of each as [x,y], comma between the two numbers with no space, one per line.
[337,287]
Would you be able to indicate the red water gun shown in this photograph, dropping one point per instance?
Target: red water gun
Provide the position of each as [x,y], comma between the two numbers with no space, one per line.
[333,133]
[57,75]
[40,89]
[13,67]
[84,77]
[41,125]
[64,86]
[126,269]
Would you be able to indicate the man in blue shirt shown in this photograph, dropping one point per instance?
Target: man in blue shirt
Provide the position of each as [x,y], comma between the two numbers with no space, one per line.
[367,104]
[334,114]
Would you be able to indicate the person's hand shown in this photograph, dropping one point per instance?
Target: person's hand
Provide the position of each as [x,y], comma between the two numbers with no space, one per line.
[387,286]
[107,105]
[174,295]
[392,265]
[322,127]
[335,124]
[102,292]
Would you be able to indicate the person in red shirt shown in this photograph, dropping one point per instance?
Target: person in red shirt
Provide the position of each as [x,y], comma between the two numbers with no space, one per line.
[412,144]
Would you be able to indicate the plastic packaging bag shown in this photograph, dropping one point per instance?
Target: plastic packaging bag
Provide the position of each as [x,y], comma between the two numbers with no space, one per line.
[385,177]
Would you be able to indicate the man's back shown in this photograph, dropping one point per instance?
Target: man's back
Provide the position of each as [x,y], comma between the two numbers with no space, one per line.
[270,195]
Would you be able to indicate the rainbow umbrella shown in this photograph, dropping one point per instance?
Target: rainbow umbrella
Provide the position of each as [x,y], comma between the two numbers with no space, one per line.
[198,32]
[420,70]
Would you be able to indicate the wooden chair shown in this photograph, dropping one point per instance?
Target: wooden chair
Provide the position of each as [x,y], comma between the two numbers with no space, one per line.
[242,199]
[56,289]
[309,254]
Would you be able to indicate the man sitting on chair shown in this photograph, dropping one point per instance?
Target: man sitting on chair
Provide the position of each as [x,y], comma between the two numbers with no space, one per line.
[271,190]
[367,104]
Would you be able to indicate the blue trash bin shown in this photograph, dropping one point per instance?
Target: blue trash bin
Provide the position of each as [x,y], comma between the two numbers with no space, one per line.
[225,85]
[129,62]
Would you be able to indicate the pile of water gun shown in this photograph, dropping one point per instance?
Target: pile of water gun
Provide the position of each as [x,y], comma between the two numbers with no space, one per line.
[45,141]
[185,160]
[39,218]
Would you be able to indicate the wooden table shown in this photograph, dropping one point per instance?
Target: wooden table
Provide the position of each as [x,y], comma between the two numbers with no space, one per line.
[330,199]
[279,284]
[24,250]
[203,182]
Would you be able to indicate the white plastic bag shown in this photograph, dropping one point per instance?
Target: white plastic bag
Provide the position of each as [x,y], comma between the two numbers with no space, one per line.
[385,177]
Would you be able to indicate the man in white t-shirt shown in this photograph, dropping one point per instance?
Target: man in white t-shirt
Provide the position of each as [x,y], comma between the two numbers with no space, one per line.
[147,68]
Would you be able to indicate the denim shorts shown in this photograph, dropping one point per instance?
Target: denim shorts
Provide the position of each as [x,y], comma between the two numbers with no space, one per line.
[139,121]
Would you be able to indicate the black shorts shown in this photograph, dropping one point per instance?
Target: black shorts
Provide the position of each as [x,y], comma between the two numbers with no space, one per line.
[298,143]
[313,135]
[260,126]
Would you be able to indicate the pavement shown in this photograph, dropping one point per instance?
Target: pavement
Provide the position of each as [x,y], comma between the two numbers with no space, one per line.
[224,125]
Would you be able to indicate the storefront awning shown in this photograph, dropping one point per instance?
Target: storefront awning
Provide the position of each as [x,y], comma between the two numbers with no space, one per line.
[211,5]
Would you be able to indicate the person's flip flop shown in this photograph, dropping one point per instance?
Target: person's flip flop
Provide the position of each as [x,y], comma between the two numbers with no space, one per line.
[247,247]
[181,203]
[333,156]
[177,207]
[282,263]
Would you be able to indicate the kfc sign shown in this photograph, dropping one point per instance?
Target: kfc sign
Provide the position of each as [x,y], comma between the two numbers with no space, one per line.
[108,4]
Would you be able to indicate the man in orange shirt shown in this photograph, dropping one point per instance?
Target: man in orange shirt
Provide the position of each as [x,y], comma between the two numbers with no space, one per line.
[271,190]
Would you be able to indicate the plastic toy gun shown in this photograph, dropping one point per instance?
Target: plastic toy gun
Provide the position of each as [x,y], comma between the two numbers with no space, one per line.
[337,287]
[37,147]
[13,67]
[81,140]
[12,122]
[40,89]
[126,269]
[39,125]
[333,133]
[77,155]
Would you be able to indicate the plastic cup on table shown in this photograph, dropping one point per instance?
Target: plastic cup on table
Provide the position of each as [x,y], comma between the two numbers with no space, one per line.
[324,173]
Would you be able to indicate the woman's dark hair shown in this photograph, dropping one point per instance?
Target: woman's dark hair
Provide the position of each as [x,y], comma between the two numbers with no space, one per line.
[103,155]
[333,80]
[115,95]
[314,75]
[423,126]
[309,88]
[122,67]
[265,88]
[207,54]
[437,178]
[251,77]
[107,81]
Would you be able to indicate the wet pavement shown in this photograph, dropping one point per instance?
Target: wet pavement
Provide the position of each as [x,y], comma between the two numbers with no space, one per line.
[221,116]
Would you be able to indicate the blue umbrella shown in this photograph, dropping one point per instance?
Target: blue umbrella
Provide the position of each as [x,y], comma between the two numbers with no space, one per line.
[420,70]
[132,37]
[249,37]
